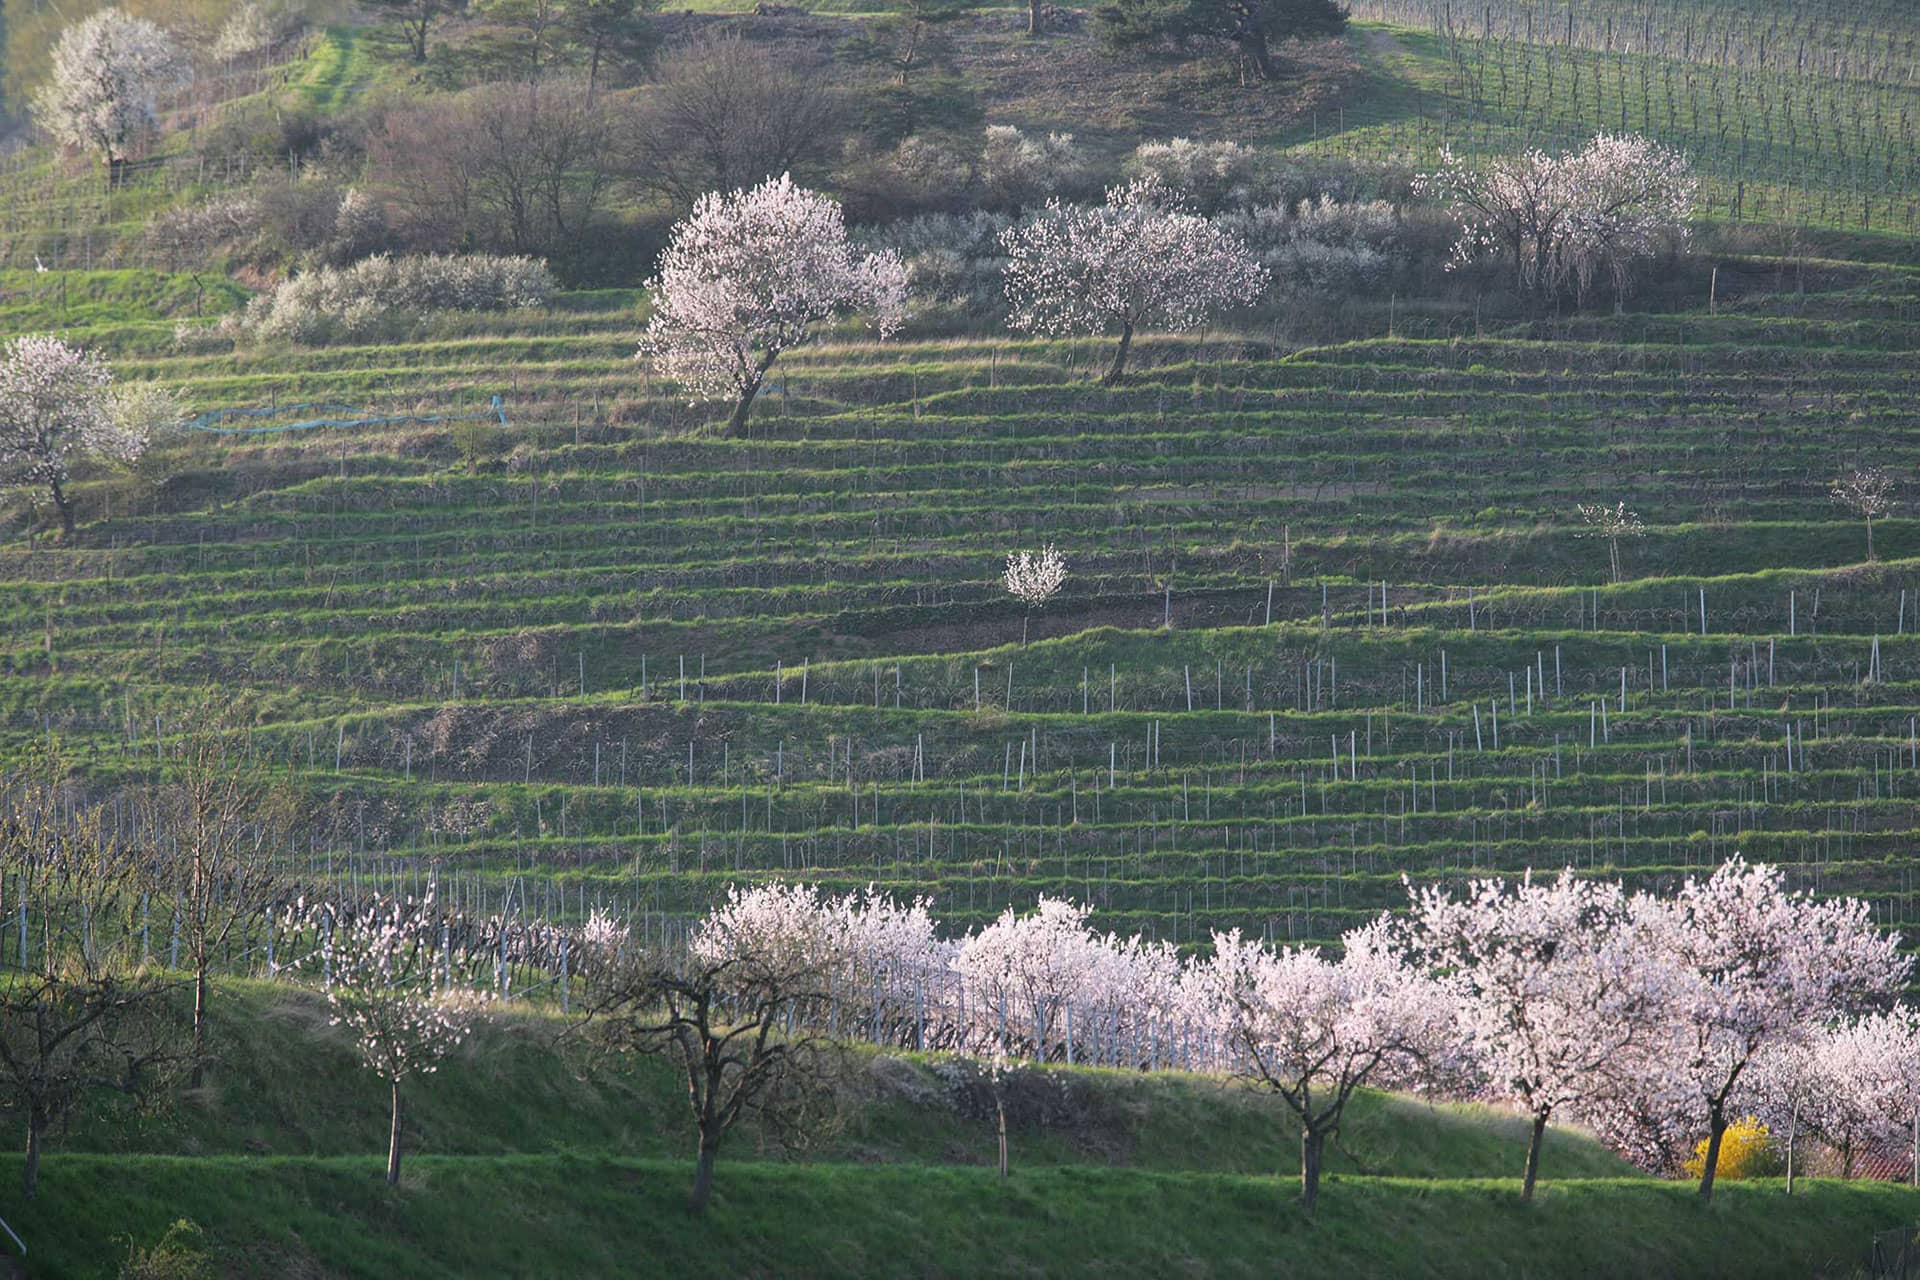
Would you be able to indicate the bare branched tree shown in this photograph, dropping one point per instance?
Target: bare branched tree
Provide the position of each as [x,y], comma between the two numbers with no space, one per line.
[740,1010]
[218,820]
[725,115]
[1868,493]
[80,1012]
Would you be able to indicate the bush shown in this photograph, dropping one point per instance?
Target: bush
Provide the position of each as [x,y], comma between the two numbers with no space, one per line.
[1018,171]
[1746,1151]
[921,175]
[1210,176]
[1321,246]
[370,297]
[181,1254]
[952,258]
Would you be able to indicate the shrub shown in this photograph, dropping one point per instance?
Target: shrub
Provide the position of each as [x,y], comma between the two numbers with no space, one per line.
[181,1254]
[1018,170]
[923,174]
[1321,246]
[1209,176]
[1746,1151]
[357,301]
[950,258]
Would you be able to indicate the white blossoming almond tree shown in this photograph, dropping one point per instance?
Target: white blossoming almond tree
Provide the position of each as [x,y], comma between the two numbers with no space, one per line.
[1611,523]
[1552,983]
[1564,218]
[57,406]
[102,92]
[1137,261]
[391,986]
[1753,967]
[1313,1031]
[1867,493]
[1034,579]
[749,276]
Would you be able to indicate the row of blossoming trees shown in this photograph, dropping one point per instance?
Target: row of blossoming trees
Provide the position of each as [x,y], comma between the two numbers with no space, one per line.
[750,275]
[1655,1020]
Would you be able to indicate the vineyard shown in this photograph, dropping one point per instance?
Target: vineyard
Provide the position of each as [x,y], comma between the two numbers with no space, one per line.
[1330,620]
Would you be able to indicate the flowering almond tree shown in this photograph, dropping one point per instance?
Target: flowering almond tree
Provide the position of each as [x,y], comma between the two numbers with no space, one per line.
[1867,493]
[738,1009]
[1612,523]
[1034,579]
[1753,967]
[1313,1031]
[56,407]
[1561,218]
[388,985]
[1023,972]
[1552,984]
[103,89]
[1132,263]
[748,276]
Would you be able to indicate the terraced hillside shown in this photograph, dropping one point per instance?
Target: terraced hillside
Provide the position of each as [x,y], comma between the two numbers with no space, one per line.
[1330,620]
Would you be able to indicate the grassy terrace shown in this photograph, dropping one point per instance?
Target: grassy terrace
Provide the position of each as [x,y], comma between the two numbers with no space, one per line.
[615,656]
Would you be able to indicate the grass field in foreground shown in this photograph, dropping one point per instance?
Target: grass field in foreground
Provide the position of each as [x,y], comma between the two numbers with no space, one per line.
[593,1215]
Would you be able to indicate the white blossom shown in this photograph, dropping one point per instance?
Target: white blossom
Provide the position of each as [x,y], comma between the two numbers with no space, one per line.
[748,276]
[1035,579]
[103,89]
[1129,264]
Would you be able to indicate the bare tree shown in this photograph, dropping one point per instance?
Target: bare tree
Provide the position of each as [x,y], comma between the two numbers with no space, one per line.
[725,115]
[499,168]
[738,1009]
[1612,523]
[81,1013]
[219,821]
[1867,492]
[417,19]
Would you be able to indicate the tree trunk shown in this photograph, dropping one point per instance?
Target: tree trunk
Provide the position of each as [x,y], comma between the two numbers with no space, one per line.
[1714,1134]
[1869,537]
[1793,1133]
[393,1141]
[64,505]
[1034,25]
[1119,365]
[1254,45]
[30,1171]
[1000,1108]
[702,1180]
[1533,1156]
[1311,1145]
[198,1076]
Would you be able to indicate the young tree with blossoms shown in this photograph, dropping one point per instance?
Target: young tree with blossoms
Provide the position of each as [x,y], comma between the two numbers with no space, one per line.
[103,90]
[1752,967]
[739,1010]
[1867,493]
[1135,262]
[1873,1063]
[56,407]
[750,275]
[1313,1031]
[1611,523]
[1034,579]
[1560,218]
[1553,985]
[389,985]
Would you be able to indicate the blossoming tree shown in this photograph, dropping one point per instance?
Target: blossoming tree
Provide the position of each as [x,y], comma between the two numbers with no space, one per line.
[1552,984]
[1136,261]
[1313,1031]
[750,275]
[739,1009]
[103,89]
[57,406]
[1565,218]
[389,984]
[1753,966]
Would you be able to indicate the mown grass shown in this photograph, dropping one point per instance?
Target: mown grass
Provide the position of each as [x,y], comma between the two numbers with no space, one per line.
[598,1215]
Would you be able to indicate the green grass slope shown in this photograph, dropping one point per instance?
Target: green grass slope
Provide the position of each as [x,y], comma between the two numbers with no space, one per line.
[600,1216]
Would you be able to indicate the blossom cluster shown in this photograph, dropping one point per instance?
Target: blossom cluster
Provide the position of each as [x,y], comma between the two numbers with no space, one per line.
[1652,1019]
